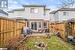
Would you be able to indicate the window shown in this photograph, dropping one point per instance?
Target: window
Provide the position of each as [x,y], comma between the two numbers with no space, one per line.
[64,13]
[34,25]
[39,24]
[45,25]
[33,10]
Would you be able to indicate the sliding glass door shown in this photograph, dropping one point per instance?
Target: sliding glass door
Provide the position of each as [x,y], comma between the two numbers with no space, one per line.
[34,25]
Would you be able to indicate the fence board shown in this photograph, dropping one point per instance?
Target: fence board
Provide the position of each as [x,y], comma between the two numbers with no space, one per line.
[58,27]
[9,30]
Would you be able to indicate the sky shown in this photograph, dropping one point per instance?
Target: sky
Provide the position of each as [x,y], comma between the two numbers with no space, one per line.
[52,4]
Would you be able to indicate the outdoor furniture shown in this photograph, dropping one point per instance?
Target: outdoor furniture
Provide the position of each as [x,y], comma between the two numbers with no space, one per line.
[29,31]
[46,30]
[40,30]
[26,31]
[71,39]
[58,34]
[48,35]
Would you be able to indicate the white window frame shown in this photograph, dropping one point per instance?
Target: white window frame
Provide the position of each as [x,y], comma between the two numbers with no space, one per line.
[34,10]
[46,26]
[39,24]
[65,13]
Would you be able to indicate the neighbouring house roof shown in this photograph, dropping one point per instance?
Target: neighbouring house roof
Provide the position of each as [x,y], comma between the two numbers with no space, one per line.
[20,18]
[63,9]
[21,9]
[10,11]
[2,17]
[67,9]
[3,12]
[34,5]
[52,12]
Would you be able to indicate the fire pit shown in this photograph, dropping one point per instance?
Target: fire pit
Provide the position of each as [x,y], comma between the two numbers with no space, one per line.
[41,46]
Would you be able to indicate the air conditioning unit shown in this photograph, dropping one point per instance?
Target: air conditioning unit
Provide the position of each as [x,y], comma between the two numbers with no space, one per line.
[3,48]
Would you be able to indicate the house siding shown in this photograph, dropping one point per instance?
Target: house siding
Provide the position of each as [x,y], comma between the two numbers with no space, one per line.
[61,17]
[42,13]
[26,13]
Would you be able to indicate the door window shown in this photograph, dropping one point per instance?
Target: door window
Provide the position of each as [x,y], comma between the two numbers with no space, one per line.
[45,24]
[39,24]
[34,25]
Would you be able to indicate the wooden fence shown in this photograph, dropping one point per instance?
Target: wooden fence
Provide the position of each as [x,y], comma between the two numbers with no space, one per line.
[58,27]
[10,30]
[52,27]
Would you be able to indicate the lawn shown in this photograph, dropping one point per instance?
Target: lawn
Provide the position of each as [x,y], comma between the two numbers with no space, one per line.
[53,43]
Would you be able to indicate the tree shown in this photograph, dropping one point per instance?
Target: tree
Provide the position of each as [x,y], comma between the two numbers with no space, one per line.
[67,3]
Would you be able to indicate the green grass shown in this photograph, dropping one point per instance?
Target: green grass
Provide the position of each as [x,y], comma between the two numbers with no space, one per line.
[53,43]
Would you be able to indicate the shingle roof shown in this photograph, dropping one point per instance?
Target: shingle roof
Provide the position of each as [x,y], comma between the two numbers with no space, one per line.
[52,12]
[67,9]
[47,9]
[34,5]
[63,9]
[22,9]
[11,11]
